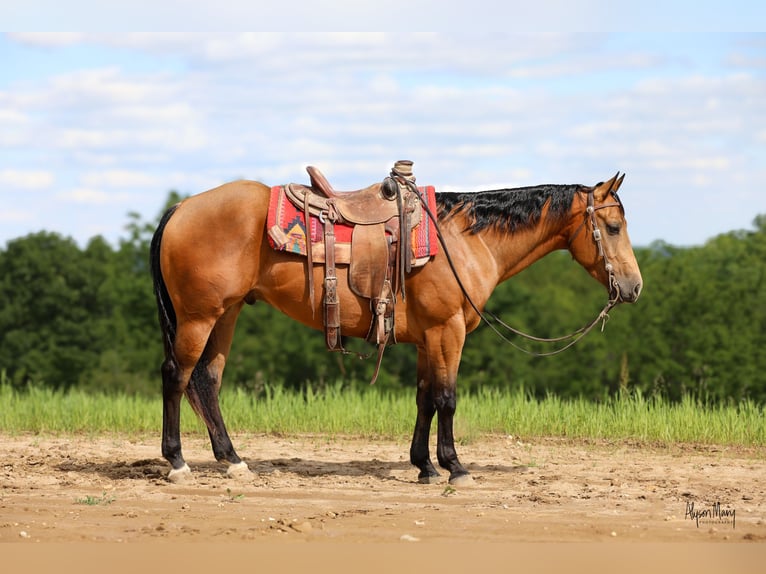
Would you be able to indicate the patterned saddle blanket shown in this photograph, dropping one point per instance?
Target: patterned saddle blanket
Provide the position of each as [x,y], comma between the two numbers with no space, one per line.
[287,231]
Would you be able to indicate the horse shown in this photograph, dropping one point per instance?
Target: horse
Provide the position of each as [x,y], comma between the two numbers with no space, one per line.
[210,256]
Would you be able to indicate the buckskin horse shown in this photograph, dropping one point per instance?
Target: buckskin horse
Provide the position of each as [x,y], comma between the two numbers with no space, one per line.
[210,255]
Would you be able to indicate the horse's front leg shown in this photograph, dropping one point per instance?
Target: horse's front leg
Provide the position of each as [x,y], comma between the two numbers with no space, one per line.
[445,399]
[438,363]
[419,453]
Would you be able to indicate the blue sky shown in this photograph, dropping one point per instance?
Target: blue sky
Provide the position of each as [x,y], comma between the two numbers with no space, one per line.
[96,125]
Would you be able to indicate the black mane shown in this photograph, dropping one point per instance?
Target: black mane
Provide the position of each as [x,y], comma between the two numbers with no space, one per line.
[507,210]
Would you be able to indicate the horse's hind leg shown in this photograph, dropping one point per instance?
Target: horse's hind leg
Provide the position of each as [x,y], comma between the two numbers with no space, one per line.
[205,385]
[172,391]
[177,369]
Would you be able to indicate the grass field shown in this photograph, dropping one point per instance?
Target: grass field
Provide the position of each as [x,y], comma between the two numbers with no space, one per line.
[371,412]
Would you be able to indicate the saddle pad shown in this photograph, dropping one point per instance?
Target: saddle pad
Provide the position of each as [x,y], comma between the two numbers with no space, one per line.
[287,230]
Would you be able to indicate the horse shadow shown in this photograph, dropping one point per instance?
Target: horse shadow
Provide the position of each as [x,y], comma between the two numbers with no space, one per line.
[156,468]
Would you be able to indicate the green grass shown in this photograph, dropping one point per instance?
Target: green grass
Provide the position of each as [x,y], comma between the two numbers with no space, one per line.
[95,500]
[371,412]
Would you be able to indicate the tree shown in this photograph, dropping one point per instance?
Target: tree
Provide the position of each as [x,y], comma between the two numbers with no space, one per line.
[49,290]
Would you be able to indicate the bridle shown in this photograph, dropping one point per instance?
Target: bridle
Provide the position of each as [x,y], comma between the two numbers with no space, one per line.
[590,215]
[485,316]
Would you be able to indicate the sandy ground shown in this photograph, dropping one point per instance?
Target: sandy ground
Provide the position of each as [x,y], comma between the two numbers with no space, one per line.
[337,489]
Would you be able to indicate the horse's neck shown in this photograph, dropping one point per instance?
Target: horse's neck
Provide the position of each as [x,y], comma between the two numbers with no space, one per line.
[514,252]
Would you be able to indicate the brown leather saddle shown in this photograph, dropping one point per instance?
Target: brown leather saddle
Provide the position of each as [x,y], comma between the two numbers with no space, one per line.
[382,216]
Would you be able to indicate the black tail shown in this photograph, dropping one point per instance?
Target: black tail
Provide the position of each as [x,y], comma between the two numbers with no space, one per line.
[167,314]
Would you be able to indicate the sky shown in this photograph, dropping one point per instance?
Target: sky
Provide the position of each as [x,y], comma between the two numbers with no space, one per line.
[95,125]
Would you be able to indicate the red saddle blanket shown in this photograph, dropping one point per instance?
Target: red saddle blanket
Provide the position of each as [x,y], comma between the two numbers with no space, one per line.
[287,230]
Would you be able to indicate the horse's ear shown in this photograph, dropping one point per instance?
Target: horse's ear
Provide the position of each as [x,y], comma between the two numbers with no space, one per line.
[601,190]
[618,182]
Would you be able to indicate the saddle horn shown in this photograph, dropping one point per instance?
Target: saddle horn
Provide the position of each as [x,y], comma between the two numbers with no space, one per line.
[389,188]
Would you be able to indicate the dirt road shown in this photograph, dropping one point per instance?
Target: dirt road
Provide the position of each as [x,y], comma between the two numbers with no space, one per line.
[320,489]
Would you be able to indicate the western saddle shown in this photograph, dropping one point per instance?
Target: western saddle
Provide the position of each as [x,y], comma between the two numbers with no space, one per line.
[382,216]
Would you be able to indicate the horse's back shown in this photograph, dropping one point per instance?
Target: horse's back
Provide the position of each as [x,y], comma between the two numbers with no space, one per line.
[234,204]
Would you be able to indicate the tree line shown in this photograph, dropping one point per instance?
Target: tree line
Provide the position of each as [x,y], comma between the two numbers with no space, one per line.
[85,317]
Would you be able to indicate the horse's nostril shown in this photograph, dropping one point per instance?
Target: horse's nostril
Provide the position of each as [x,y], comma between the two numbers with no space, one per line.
[637,290]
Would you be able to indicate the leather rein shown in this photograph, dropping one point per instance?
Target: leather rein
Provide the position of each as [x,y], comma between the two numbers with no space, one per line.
[485,316]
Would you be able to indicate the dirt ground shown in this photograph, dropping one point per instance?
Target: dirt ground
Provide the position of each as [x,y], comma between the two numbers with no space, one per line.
[338,489]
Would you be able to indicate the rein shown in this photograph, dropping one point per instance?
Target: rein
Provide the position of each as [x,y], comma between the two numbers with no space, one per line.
[603,316]
[574,337]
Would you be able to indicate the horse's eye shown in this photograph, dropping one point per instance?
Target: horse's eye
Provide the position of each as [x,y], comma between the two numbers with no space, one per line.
[613,228]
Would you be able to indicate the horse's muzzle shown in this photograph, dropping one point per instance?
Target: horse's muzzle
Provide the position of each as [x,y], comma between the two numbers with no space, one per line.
[626,291]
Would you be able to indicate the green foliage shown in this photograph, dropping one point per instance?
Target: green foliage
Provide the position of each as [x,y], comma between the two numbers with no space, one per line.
[73,317]
[79,317]
[50,297]
[91,500]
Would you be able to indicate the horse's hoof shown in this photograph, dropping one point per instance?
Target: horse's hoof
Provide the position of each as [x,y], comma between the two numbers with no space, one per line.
[430,479]
[461,480]
[239,471]
[179,475]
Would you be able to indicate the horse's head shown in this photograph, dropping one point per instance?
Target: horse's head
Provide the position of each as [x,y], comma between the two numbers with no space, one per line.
[600,242]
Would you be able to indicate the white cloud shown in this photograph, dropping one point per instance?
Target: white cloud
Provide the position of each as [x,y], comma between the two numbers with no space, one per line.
[119,178]
[694,165]
[283,53]
[92,196]
[490,16]
[11,116]
[178,140]
[15,216]
[48,39]
[108,86]
[26,179]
